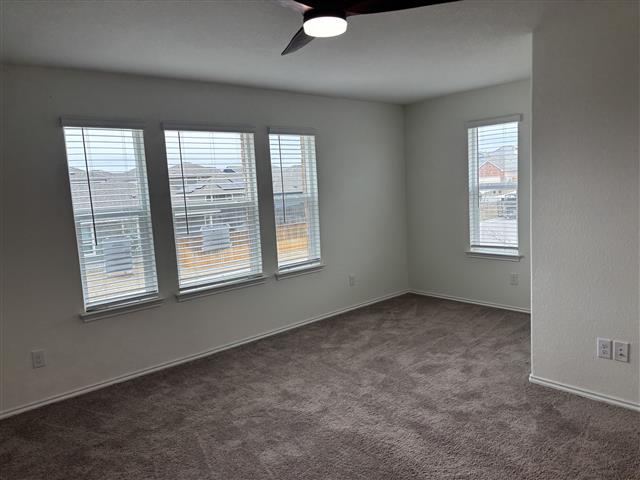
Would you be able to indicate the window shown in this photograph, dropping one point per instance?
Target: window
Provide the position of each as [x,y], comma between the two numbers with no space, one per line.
[212,178]
[295,198]
[493,186]
[108,179]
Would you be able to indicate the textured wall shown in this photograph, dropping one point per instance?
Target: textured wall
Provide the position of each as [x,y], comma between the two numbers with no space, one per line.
[362,208]
[585,195]
[585,201]
[437,196]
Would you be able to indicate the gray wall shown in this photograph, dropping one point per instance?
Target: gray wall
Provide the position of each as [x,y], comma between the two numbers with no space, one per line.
[585,196]
[585,251]
[437,197]
[362,208]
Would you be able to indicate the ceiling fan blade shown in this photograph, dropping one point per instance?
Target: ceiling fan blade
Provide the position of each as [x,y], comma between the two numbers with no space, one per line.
[299,40]
[299,7]
[329,4]
[364,7]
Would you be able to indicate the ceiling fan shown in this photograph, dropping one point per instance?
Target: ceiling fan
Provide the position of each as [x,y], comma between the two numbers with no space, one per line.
[328,18]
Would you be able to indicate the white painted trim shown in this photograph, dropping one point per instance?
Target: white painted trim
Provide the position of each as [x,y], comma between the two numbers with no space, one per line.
[468,300]
[228,286]
[495,120]
[305,269]
[121,309]
[618,402]
[505,257]
[87,122]
[188,358]
[206,127]
[292,131]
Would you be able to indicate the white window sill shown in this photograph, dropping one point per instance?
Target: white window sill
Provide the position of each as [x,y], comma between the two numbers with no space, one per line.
[121,309]
[197,292]
[299,270]
[497,254]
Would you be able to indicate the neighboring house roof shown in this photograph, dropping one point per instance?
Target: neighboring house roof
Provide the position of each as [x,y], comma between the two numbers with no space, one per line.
[208,188]
[504,157]
[110,190]
[487,166]
[203,180]
[193,169]
[106,194]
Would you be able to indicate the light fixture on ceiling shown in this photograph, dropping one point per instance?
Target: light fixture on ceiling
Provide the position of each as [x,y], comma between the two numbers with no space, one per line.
[328,18]
[324,24]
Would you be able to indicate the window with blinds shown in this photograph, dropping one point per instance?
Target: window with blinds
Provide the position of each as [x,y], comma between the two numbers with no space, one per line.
[108,179]
[295,198]
[493,185]
[212,178]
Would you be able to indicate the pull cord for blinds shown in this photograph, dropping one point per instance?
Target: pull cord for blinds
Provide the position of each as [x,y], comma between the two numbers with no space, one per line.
[86,164]
[284,206]
[184,188]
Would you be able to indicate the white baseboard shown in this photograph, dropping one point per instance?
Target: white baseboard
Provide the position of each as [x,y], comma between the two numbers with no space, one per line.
[468,300]
[188,358]
[532,378]
[585,393]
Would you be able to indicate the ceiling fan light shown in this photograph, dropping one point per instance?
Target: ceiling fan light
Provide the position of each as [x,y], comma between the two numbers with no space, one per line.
[325,26]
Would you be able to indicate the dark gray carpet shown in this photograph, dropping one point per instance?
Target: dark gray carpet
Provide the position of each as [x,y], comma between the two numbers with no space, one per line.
[410,388]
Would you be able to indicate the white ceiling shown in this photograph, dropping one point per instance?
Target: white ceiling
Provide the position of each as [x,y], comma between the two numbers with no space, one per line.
[395,57]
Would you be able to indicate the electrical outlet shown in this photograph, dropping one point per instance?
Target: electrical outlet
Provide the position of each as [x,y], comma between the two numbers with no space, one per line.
[621,351]
[604,348]
[38,359]
[513,279]
[352,280]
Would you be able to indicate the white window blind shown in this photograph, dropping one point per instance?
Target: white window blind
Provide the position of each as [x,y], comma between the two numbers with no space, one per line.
[212,178]
[295,197]
[493,187]
[107,173]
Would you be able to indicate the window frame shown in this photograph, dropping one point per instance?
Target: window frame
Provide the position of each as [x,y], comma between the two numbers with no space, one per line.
[498,252]
[135,301]
[226,282]
[310,265]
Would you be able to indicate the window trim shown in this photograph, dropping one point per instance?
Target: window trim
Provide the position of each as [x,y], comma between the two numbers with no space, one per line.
[189,292]
[275,130]
[302,268]
[516,117]
[220,287]
[495,252]
[312,264]
[121,308]
[513,256]
[206,127]
[92,122]
[124,303]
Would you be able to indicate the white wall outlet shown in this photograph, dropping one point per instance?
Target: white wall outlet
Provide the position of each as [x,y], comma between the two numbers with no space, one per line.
[38,359]
[513,279]
[604,348]
[352,280]
[621,351]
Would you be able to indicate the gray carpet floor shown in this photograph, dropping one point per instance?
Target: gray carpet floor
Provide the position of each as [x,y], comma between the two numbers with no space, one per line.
[410,388]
